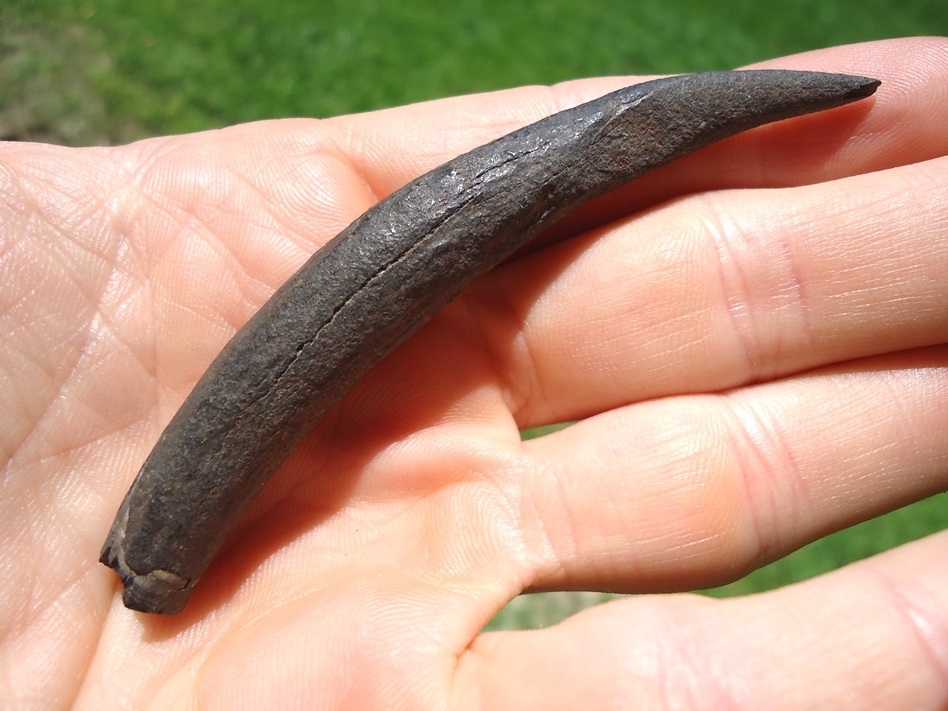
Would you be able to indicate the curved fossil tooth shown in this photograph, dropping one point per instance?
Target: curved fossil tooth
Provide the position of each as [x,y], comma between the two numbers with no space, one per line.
[385,276]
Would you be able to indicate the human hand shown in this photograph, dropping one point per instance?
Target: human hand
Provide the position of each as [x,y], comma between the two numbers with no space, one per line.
[752,368]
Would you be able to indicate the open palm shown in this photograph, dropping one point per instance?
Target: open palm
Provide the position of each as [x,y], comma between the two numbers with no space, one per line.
[752,369]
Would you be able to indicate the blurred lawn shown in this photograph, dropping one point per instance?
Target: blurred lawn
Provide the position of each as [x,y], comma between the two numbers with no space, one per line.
[107,71]
[110,71]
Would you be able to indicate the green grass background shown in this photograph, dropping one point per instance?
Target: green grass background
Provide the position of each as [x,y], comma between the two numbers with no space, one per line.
[110,71]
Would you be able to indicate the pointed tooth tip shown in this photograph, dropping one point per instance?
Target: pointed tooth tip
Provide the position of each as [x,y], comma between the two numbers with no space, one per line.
[849,86]
[863,86]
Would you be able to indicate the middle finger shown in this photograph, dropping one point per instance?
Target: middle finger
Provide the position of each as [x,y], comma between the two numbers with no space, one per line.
[723,289]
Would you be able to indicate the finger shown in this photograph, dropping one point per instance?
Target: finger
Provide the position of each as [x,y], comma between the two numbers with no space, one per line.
[870,636]
[690,492]
[719,290]
[246,206]
[903,127]
[319,176]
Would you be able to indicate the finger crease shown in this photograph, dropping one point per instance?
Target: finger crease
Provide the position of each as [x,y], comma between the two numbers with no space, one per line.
[764,456]
[763,291]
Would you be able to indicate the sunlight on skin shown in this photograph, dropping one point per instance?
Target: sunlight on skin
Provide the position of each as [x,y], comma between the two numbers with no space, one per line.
[768,367]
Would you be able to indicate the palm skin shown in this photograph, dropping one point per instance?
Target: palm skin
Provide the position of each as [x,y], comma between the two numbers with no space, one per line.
[753,368]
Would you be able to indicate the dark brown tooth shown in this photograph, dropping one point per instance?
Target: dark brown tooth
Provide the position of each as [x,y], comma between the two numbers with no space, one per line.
[389,273]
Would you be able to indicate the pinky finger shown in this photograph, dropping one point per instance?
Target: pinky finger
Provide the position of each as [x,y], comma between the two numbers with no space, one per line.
[873,635]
